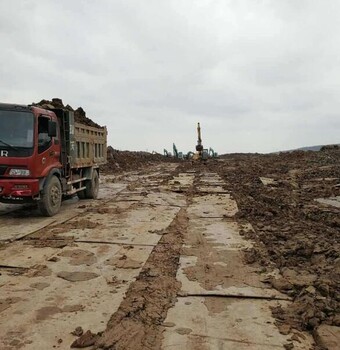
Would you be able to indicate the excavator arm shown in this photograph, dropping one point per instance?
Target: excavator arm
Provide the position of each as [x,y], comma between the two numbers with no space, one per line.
[199,146]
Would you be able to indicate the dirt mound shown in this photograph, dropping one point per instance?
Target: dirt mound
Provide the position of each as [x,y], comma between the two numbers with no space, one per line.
[118,161]
[79,113]
[291,201]
[330,148]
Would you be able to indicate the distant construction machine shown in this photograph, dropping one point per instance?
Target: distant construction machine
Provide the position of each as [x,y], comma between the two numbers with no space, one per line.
[166,153]
[199,146]
[201,153]
[212,153]
[178,155]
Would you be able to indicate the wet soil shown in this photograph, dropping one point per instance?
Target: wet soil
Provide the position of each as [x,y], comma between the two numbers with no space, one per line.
[297,249]
[138,322]
[296,236]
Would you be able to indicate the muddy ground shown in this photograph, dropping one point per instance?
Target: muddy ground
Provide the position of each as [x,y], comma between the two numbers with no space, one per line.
[296,229]
[297,236]
[240,253]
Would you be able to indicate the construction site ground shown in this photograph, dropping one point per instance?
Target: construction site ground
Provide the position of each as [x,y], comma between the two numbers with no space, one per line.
[236,253]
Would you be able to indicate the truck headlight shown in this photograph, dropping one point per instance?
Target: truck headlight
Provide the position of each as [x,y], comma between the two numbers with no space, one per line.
[19,172]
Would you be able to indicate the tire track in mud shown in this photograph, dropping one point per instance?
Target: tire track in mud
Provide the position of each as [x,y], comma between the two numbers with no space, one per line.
[137,324]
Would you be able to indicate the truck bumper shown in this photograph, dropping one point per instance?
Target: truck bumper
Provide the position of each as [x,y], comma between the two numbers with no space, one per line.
[18,190]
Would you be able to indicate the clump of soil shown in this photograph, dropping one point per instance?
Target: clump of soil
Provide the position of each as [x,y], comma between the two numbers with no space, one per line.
[123,262]
[79,113]
[87,339]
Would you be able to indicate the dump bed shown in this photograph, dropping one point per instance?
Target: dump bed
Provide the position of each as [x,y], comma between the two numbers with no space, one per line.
[90,146]
[83,145]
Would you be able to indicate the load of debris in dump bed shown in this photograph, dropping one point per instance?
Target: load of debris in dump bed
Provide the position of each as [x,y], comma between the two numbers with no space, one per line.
[79,113]
[118,161]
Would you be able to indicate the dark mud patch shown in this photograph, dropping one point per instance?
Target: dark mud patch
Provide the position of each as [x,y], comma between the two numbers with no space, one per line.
[77,276]
[79,257]
[8,302]
[39,271]
[39,285]
[49,311]
[183,331]
[46,312]
[82,224]
[43,242]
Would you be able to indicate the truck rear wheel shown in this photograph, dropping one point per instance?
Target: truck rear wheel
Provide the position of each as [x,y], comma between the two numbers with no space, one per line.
[50,202]
[92,186]
[81,194]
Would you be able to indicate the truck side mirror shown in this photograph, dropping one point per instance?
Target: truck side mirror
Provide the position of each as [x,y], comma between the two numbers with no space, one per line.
[52,128]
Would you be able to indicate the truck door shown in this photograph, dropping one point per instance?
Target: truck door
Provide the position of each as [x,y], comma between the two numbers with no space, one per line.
[48,148]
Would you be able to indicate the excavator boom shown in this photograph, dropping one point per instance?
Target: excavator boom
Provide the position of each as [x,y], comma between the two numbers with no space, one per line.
[199,147]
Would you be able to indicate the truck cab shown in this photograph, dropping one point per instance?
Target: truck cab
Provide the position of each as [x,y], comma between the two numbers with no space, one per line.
[39,160]
[29,149]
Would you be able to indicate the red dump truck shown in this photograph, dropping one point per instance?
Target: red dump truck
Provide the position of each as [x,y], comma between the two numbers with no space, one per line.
[46,156]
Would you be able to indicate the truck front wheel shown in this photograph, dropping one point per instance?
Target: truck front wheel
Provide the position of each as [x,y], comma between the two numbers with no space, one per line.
[50,201]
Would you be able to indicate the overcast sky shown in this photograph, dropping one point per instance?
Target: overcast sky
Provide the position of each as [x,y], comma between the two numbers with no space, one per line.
[260,76]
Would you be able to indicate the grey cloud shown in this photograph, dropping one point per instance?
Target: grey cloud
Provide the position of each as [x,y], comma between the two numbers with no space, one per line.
[258,75]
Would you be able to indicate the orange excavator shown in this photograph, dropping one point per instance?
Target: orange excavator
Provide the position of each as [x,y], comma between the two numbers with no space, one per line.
[201,153]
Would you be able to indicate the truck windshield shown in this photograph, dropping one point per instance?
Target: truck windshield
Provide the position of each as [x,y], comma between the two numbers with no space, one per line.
[16,129]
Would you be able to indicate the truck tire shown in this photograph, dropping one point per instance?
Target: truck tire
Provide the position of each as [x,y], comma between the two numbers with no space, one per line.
[50,201]
[81,194]
[92,186]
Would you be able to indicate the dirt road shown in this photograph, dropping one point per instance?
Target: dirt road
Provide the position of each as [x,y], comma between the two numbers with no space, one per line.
[156,263]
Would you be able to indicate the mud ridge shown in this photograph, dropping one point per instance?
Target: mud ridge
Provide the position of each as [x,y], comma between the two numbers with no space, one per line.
[137,324]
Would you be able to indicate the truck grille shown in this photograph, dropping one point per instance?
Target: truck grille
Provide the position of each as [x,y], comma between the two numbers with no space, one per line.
[3,169]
